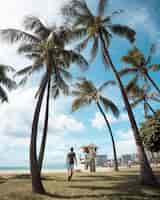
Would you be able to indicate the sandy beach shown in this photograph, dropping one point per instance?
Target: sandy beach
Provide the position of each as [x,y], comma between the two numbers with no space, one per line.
[50,171]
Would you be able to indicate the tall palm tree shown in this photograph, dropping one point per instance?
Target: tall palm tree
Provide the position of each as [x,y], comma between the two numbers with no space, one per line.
[86,93]
[139,65]
[142,94]
[99,29]
[5,82]
[46,47]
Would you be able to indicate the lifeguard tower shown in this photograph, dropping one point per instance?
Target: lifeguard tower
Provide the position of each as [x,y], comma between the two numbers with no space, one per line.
[89,157]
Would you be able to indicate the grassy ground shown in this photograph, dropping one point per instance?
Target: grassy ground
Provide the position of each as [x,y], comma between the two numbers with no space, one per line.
[84,186]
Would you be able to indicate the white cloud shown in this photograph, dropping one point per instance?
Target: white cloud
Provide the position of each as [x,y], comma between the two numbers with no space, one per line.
[99,122]
[125,144]
[16,120]
[19,114]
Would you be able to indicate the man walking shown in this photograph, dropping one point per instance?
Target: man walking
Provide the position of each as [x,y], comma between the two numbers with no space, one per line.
[71,161]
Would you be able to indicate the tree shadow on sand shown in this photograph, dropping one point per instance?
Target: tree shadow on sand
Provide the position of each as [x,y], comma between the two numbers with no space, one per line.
[58,196]
[119,189]
[3,180]
[113,196]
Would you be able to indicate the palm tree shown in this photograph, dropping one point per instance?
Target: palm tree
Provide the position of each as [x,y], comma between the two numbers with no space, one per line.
[5,81]
[46,47]
[99,29]
[139,65]
[142,94]
[86,93]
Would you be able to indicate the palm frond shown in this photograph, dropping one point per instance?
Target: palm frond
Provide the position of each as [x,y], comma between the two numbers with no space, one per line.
[8,83]
[70,56]
[77,33]
[94,49]
[82,7]
[67,75]
[55,91]
[155,67]
[78,13]
[86,87]
[34,24]
[78,103]
[123,31]
[6,68]
[134,57]
[127,71]
[136,102]
[14,35]
[3,95]
[130,86]
[105,85]
[23,81]
[61,84]
[114,13]
[109,105]
[32,56]
[155,98]
[130,60]
[81,46]
[101,7]
[24,71]
[28,48]
[152,50]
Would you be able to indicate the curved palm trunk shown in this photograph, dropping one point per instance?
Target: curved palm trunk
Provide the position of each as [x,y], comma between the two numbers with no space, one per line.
[147,177]
[153,83]
[145,109]
[112,138]
[37,186]
[151,109]
[44,137]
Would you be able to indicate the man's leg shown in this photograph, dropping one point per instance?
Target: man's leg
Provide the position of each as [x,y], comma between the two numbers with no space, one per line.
[69,174]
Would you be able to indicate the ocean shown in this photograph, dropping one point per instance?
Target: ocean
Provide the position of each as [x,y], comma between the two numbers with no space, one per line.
[24,168]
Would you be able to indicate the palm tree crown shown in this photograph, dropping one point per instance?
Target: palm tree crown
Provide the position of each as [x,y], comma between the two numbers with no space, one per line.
[46,47]
[86,93]
[90,26]
[139,65]
[142,94]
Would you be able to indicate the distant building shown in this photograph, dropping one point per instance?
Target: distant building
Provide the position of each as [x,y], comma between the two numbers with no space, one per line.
[101,160]
[129,157]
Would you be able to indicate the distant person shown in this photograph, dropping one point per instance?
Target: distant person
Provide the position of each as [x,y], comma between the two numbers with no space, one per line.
[71,161]
[129,163]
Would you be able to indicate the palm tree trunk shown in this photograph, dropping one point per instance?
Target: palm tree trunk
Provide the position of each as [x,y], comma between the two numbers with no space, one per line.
[112,138]
[145,108]
[44,137]
[147,177]
[151,109]
[37,186]
[153,83]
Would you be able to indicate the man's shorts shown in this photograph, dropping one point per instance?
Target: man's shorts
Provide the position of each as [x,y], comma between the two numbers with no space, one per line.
[70,166]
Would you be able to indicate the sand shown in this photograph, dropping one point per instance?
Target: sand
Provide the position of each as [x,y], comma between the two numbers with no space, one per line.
[18,172]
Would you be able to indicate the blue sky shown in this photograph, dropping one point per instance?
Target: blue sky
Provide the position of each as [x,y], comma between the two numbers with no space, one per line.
[85,126]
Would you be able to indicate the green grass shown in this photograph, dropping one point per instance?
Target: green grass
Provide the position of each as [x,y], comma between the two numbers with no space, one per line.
[84,186]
